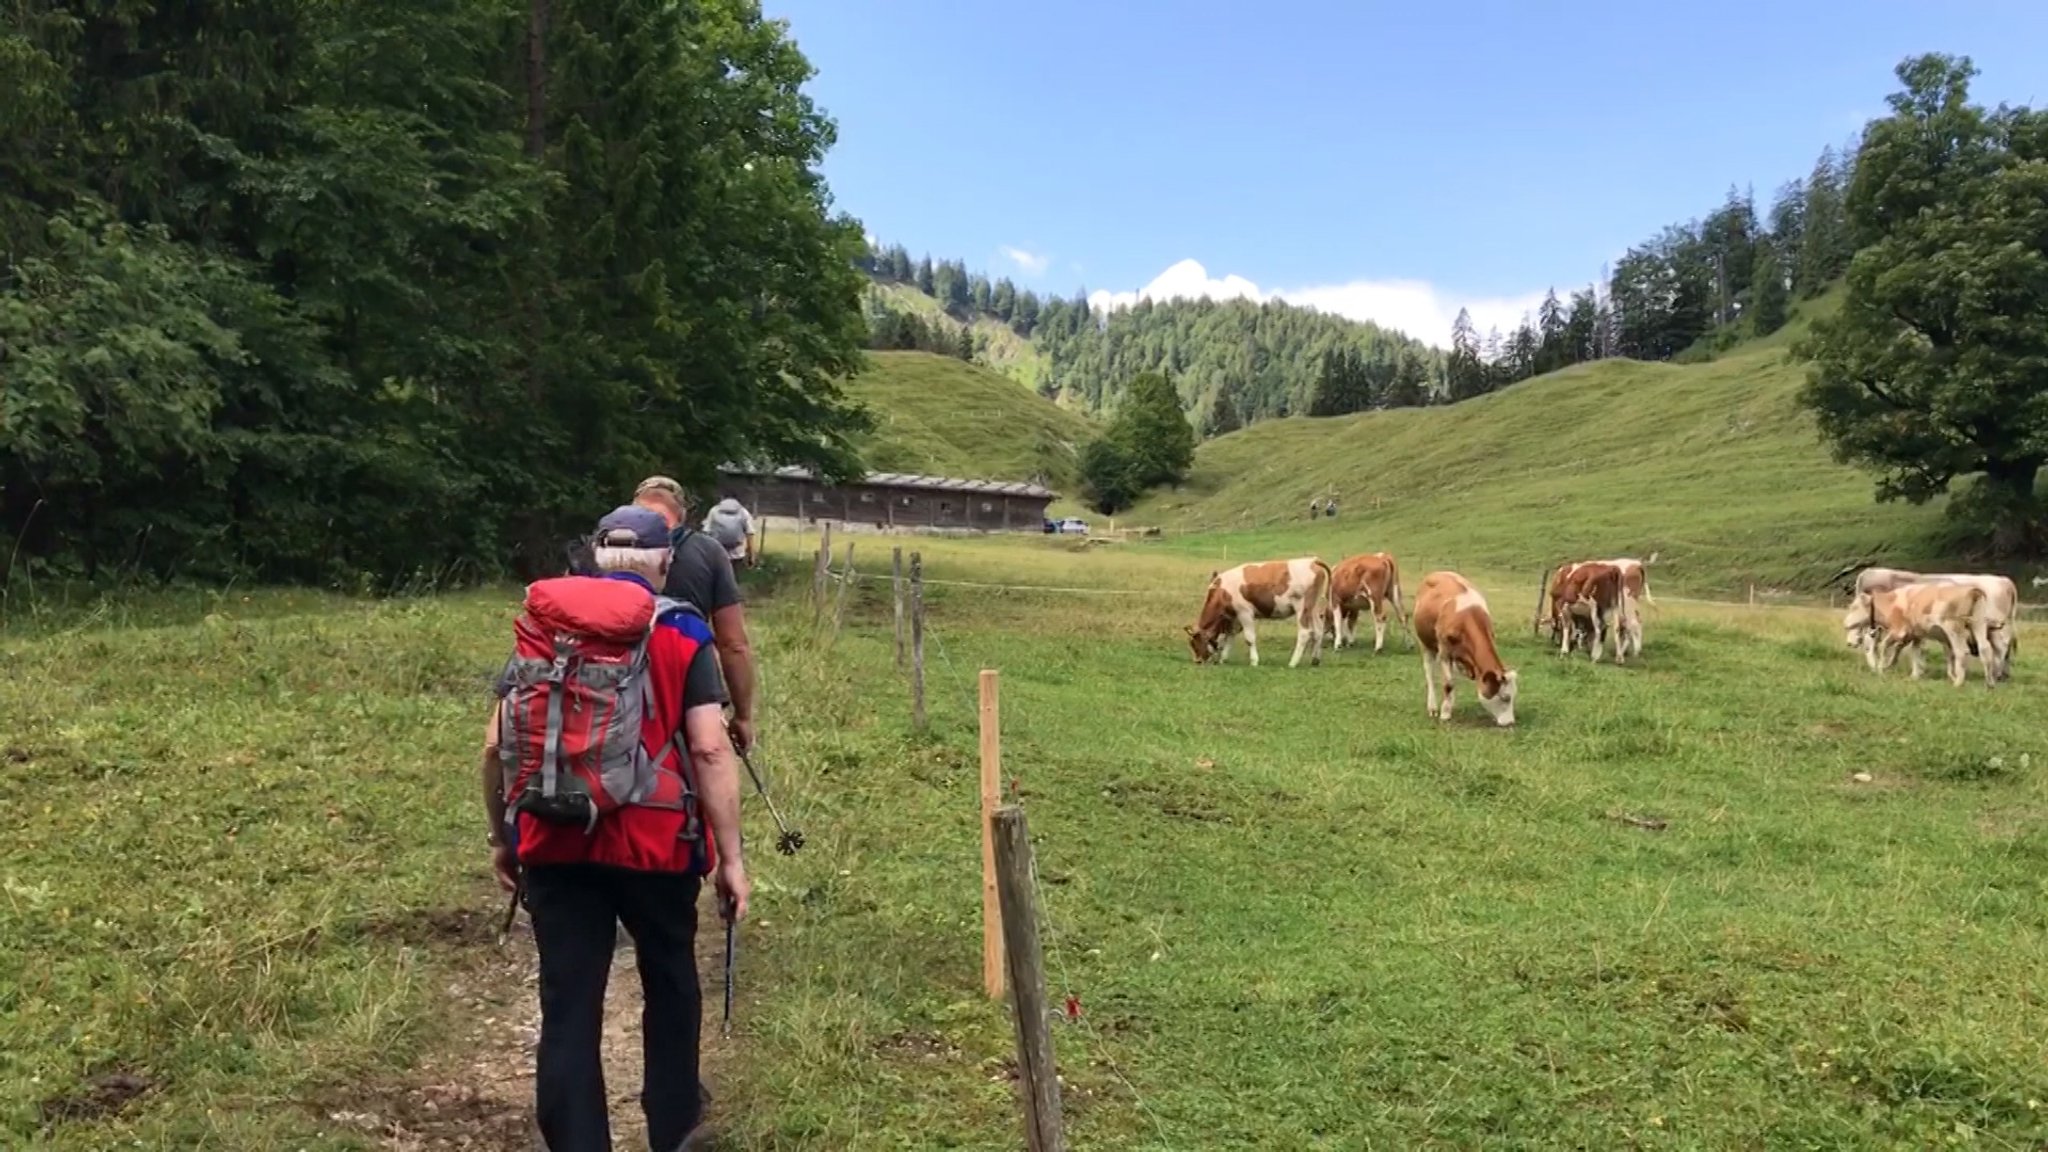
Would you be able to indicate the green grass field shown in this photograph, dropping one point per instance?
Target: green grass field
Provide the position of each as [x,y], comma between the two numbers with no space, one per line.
[942,416]
[1296,913]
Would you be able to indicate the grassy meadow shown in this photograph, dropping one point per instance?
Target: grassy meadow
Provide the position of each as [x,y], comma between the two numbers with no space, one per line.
[945,417]
[246,872]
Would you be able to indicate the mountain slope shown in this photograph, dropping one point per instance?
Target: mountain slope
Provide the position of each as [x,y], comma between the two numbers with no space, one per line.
[1713,465]
[942,416]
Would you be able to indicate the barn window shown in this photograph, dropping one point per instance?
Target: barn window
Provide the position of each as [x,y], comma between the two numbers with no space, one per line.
[987,507]
[867,497]
[907,501]
[945,505]
[817,497]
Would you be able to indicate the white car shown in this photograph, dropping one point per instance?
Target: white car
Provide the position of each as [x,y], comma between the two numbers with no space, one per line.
[1071,526]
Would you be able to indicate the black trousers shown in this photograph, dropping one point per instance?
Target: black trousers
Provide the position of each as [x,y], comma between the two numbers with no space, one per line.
[576,909]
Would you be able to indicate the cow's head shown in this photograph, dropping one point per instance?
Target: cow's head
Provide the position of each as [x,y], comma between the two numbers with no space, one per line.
[1202,644]
[1497,694]
[1860,622]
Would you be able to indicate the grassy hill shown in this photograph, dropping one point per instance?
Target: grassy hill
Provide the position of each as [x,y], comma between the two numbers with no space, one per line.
[944,416]
[1713,465]
[1008,353]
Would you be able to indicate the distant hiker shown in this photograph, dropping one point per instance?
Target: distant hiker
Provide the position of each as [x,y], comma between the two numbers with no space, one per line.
[1315,508]
[702,575]
[732,526]
[620,802]
[1330,508]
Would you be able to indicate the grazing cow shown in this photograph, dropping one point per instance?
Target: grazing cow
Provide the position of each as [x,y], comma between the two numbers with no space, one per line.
[2001,594]
[1454,629]
[1595,594]
[1273,590]
[1364,582]
[1952,613]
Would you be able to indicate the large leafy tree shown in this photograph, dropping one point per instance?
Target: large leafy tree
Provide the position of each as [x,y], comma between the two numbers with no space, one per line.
[1937,366]
[1149,443]
[288,288]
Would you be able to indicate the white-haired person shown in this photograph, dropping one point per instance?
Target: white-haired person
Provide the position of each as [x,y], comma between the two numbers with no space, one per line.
[641,864]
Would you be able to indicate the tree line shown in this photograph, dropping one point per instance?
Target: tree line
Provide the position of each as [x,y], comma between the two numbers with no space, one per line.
[1232,361]
[1689,291]
[347,292]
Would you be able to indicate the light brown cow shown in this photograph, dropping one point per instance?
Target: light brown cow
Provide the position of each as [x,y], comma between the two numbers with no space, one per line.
[1593,594]
[2002,595]
[1954,614]
[1370,581]
[1454,629]
[1272,590]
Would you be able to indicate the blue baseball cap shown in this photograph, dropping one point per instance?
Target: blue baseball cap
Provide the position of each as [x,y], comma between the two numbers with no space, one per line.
[631,526]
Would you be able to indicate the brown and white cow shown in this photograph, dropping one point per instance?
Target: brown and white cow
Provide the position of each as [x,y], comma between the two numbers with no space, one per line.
[1955,614]
[1592,598]
[2002,605]
[1271,590]
[1454,629]
[1368,582]
[1631,620]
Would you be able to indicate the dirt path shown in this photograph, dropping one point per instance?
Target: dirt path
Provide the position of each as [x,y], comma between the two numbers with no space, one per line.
[475,1091]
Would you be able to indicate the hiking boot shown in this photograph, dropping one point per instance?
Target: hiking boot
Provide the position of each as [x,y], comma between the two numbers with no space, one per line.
[702,1138]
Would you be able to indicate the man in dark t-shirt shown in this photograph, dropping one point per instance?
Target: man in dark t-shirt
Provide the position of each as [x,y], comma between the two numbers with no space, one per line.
[700,573]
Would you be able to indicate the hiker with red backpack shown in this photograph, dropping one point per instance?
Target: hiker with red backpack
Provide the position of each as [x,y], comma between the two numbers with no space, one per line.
[609,781]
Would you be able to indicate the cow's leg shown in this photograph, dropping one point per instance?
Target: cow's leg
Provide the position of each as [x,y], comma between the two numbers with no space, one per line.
[1223,649]
[1302,630]
[1251,636]
[1593,622]
[1449,672]
[1618,628]
[1919,661]
[1567,631]
[1379,625]
[1955,644]
[1429,683]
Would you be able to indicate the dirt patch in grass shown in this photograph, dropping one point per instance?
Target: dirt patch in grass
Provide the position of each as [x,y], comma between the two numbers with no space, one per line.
[104,1095]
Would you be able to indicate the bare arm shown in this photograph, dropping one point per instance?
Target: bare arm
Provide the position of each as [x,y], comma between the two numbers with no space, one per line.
[736,660]
[718,790]
[502,860]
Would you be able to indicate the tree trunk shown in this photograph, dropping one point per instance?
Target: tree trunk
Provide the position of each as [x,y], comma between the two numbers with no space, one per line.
[2018,526]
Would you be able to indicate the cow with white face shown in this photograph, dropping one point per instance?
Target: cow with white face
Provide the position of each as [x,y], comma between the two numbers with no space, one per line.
[2002,604]
[1454,629]
[1272,590]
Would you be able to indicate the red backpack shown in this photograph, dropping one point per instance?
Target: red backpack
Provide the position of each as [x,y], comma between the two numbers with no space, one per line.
[569,735]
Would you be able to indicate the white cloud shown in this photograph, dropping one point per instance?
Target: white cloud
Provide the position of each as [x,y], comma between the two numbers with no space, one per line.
[1412,306]
[1031,262]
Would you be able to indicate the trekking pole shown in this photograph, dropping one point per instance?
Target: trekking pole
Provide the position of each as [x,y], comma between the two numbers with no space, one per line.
[730,949]
[791,839]
[512,907]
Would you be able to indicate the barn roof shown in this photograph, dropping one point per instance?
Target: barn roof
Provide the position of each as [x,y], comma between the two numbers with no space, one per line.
[903,480]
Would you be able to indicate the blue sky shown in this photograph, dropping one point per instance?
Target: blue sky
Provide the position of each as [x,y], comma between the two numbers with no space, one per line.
[1387,161]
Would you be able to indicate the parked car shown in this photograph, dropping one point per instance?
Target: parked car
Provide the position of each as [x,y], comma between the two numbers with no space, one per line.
[1071,526]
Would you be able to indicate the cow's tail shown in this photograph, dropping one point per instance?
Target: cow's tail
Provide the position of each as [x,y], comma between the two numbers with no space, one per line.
[1394,594]
[1325,592]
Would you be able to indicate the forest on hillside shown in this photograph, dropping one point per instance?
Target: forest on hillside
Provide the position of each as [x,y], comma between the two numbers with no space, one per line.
[352,292]
[1690,290]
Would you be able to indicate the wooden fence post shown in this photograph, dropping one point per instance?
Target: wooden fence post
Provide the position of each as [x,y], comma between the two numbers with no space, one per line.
[845,578]
[917,641]
[991,796]
[824,562]
[896,586]
[1037,1072]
